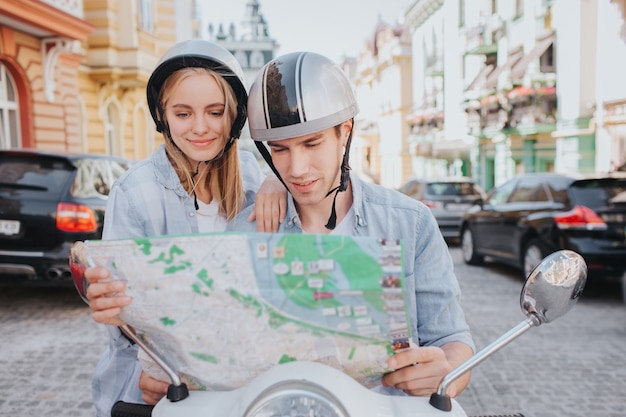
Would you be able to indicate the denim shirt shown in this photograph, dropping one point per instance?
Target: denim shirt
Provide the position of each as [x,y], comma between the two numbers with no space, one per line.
[432,289]
[148,200]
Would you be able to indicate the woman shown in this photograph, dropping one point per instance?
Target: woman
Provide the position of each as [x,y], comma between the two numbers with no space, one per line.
[195,183]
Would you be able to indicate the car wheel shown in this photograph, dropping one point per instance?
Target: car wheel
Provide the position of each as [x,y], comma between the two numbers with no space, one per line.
[534,253]
[469,248]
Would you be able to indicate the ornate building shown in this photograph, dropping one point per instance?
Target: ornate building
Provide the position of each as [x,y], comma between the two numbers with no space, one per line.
[382,79]
[250,42]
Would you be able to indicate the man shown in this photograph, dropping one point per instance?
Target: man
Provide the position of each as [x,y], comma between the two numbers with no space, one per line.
[302,105]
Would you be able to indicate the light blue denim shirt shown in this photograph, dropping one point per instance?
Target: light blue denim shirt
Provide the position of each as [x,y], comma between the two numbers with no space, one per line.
[148,200]
[433,293]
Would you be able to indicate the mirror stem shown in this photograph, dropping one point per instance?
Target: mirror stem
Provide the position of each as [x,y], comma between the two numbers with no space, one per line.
[440,399]
[177,390]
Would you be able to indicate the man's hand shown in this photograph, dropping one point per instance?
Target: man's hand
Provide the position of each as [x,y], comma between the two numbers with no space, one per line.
[270,205]
[106,297]
[152,389]
[419,370]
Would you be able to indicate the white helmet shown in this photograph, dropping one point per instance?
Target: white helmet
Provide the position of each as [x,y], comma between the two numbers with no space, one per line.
[297,94]
[198,53]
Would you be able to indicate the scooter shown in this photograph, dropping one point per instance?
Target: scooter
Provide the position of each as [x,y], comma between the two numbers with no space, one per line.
[306,389]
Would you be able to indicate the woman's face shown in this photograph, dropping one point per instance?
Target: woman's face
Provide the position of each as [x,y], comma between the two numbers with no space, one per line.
[195,114]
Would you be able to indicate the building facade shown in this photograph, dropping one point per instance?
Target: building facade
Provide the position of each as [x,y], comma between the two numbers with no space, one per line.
[502,87]
[249,41]
[40,57]
[382,80]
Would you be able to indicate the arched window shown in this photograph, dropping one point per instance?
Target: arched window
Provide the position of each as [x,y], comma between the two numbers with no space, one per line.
[112,123]
[146,15]
[9,118]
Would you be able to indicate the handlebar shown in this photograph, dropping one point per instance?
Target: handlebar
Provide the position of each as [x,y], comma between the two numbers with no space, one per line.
[123,409]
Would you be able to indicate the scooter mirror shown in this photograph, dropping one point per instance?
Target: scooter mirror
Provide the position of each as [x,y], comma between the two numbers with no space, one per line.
[550,291]
[554,286]
[79,261]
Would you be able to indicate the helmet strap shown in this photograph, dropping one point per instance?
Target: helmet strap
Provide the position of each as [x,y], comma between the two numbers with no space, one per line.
[343,183]
[332,220]
[268,158]
[193,178]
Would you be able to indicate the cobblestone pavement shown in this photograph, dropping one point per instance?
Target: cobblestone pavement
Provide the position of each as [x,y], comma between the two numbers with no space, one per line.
[574,367]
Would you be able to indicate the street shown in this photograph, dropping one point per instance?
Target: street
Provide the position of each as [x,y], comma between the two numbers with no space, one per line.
[574,367]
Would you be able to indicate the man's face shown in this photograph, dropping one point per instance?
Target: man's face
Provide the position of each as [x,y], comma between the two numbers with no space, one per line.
[310,165]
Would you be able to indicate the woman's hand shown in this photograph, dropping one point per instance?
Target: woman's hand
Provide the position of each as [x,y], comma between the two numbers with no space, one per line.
[270,206]
[106,296]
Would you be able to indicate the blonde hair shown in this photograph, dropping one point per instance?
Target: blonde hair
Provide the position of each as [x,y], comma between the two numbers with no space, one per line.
[224,177]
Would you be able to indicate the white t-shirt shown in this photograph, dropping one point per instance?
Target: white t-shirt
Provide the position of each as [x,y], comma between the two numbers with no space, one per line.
[346,226]
[209,221]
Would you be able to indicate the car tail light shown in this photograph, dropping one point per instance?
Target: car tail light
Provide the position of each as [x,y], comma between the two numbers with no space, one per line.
[76,218]
[580,217]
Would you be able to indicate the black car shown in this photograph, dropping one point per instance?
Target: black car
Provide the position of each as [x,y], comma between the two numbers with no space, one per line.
[448,199]
[533,215]
[48,201]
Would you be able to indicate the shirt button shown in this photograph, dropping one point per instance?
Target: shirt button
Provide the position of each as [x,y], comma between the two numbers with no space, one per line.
[191,214]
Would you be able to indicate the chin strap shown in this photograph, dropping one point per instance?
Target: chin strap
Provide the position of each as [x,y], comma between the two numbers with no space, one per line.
[193,177]
[332,220]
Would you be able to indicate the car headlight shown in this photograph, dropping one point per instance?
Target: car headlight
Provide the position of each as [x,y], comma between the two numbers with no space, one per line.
[296,399]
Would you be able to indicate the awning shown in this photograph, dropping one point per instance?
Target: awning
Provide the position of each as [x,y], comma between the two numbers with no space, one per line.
[541,46]
[480,78]
[483,50]
[514,57]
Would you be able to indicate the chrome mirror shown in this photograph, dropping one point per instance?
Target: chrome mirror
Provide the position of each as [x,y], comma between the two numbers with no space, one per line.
[550,291]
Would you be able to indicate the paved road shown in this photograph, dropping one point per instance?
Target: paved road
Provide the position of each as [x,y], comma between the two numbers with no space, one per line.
[574,367]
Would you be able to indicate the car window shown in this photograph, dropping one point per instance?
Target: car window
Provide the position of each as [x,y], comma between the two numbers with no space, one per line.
[598,193]
[557,188]
[501,194]
[452,189]
[39,177]
[94,177]
[529,189]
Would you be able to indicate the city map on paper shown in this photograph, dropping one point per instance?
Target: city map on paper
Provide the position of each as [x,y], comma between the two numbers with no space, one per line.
[226,307]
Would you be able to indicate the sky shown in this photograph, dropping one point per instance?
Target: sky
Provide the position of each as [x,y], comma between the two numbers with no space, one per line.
[334,28]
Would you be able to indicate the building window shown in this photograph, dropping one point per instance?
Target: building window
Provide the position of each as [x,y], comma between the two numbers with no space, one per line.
[9,121]
[242,58]
[111,131]
[519,8]
[146,20]
[256,59]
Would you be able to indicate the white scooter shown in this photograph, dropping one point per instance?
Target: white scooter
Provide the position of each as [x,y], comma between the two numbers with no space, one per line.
[306,389]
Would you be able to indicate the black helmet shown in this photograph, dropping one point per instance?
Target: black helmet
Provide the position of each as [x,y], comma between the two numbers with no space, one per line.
[299,94]
[198,53]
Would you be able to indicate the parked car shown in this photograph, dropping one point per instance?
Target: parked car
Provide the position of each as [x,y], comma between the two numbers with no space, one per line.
[447,198]
[48,201]
[533,215]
